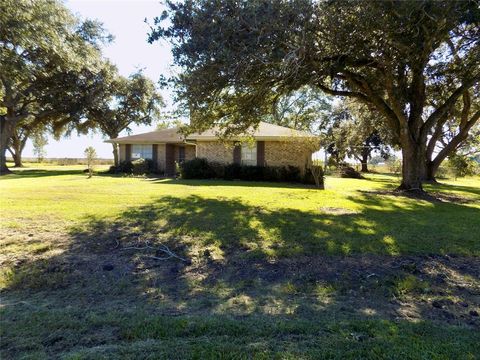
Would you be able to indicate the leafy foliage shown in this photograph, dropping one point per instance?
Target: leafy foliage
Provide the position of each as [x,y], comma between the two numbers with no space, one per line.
[39,141]
[461,166]
[239,58]
[203,169]
[121,102]
[90,155]
[50,64]
[198,168]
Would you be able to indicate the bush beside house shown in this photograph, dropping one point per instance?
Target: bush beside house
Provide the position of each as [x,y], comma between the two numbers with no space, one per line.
[203,169]
[135,167]
[200,168]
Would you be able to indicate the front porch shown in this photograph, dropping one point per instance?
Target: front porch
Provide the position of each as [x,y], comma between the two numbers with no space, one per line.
[164,156]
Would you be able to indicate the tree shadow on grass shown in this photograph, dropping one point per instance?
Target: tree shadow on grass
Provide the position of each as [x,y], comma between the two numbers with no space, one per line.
[216,182]
[449,187]
[333,264]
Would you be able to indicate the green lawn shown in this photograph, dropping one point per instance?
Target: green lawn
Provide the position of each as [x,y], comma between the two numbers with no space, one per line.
[271,270]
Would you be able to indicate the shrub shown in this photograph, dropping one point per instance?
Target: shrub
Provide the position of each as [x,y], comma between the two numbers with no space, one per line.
[218,170]
[394,165]
[461,166]
[252,173]
[349,172]
[290,174]
[232,172]
[198,168]
[315,175]
[142,166]
[442,172]
[124,167]
[272,173]
[202,169]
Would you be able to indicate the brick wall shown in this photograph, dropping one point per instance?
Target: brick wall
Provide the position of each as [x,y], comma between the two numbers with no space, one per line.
[161,157]
[122,152]
[189,152]
[279,153]
[215,151]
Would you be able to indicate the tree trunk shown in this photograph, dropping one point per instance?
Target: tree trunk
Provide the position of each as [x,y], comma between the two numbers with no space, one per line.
[364,167]
[6,131]
[18,141]
[413,166]
[115,154]
[431,168]
[16,149]
[17,158]
[364,160]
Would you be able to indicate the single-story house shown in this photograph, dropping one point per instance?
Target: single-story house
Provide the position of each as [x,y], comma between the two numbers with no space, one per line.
[272,145]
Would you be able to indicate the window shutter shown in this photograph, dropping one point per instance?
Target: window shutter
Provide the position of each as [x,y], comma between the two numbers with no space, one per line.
[155,154]
[169,160]
[237,154]
[260,153]
[128,152]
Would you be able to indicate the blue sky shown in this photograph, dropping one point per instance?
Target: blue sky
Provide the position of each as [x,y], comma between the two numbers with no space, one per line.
[130,50]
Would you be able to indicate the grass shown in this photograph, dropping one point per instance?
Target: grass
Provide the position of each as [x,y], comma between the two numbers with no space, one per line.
[273,271]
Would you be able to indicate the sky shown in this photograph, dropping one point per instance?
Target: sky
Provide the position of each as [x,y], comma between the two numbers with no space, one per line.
[130,51]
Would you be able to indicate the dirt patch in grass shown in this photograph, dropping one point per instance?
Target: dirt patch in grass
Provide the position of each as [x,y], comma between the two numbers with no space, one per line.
[337,211]
[91,291]
[444,289]
[433,196]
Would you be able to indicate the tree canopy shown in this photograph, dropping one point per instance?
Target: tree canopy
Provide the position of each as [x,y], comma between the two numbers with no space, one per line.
[354,131]
[50,63]
[414,62]
[121,103]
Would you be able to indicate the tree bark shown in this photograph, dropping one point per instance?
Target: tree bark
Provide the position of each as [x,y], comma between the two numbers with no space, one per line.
[431,168]
[413,166]
[364,167]
[432,165]
[364,159]
[16,149]
[6,131]
[17,158]
[115,154]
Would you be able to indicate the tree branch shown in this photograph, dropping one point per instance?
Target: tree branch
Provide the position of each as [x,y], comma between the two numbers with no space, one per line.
[448,104]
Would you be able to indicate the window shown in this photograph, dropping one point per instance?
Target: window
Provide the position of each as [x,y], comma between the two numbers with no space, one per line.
[141,152]
[249,154]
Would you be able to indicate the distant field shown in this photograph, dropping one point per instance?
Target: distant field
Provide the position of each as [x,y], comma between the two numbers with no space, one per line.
[271,270]
[32,162]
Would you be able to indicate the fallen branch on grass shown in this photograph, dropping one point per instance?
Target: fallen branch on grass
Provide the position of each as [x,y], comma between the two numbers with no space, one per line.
[162,248]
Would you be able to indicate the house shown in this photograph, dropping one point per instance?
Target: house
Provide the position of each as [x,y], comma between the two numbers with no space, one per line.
[272,145]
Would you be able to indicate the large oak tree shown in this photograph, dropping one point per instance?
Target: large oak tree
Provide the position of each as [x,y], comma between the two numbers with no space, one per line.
[412,61]
[50,63]
[121,103]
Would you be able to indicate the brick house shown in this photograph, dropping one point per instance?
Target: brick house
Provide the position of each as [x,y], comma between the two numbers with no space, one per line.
[272,145]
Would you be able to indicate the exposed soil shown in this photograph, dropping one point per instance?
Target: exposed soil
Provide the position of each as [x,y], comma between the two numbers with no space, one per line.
[444,289]
[434,197]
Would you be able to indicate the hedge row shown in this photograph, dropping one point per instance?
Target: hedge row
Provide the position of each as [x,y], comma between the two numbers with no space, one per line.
[203,169]
[135,167]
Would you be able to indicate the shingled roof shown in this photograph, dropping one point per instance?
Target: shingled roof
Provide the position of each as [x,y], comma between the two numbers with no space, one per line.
[264,131]
[153,137]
